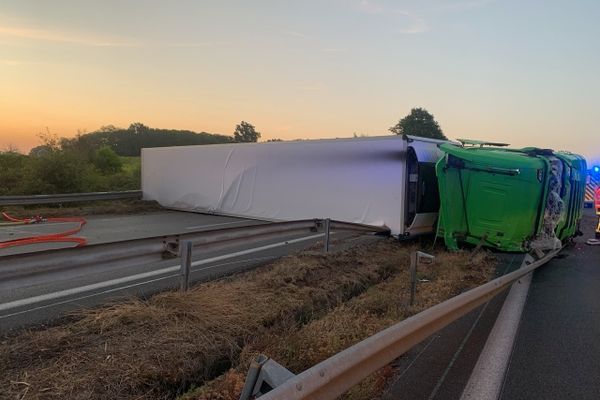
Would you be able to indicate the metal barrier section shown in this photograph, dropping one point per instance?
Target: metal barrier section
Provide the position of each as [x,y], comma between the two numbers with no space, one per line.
[159,248]
[334,376]
[68,198]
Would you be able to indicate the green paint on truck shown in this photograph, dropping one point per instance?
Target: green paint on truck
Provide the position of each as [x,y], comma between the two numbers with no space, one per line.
[509,199]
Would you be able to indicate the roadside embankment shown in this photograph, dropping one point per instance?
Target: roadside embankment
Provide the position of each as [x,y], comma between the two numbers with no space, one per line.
[298,310]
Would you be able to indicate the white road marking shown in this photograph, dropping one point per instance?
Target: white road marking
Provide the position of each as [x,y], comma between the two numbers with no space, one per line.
[131,286]
[397,378]
[487,378]
[101,285]
[457,353]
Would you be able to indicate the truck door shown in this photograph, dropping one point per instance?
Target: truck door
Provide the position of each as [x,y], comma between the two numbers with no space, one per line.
[412,186]
[422,193]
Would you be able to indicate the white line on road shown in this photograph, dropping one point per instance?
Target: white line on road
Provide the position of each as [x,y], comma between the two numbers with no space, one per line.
[397,378]
[126,279]
[437,387]
[487,378]
[88,296]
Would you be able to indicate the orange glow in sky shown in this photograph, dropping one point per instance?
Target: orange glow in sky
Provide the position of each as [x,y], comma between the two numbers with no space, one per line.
[526,74]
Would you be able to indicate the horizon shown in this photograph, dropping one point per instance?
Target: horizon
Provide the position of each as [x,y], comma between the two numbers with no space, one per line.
[497,71]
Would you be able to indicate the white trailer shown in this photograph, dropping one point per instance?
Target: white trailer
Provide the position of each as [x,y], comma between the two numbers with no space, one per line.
[385,180]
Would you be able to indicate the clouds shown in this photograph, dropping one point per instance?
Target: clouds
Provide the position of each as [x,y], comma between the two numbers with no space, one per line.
[85,39]
[404,20]
[59,37]
[411,17]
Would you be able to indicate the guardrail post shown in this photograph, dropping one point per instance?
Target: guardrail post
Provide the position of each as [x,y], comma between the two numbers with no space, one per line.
[415,260]
[186,266]
[327,229]
[252,376]
[413,277]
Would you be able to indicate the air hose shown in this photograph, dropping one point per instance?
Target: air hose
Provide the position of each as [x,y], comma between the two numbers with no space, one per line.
[46,238]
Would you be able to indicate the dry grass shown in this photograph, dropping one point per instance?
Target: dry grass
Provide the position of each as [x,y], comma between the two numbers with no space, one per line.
[157,349]
[382,305]
[118,207]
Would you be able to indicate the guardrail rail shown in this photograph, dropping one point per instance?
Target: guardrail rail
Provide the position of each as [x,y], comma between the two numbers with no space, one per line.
[68,198]
[171,255]
[334,376]
[160,248]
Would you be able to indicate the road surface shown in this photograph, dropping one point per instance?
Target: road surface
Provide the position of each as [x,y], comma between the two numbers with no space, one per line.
[557,348]
[440,366]
[104,228]
[32,299]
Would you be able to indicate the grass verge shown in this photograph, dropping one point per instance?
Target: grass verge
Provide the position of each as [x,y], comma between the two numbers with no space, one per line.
[159,348]
[380,306]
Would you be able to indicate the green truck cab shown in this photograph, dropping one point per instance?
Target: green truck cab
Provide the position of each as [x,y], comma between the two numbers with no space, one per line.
[508,199]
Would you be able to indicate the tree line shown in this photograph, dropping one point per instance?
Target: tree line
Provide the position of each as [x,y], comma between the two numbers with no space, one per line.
[103,160]
[60,166]
[108,159]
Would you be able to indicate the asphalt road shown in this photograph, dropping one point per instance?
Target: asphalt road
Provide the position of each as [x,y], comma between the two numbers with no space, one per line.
[440,366]
[557,349]
[33,299]
[556,354]
[103,228]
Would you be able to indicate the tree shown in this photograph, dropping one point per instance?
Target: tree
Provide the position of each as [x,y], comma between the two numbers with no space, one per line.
[49,140]
[109,128]
[419,123]
[245,132]
[138,128]
[39,151]
[107,161]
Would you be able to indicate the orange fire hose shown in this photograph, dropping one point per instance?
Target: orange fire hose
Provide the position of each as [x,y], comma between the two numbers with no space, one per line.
[48,238]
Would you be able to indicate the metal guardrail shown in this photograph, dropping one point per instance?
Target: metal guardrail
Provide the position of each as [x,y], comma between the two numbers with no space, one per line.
[334,376]
[159,248]
[68,198]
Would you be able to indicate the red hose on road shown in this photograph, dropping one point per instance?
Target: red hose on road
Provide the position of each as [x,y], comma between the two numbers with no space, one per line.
[48,238]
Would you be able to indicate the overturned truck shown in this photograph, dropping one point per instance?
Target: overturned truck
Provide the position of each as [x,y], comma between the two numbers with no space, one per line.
[509,199]
[486,194]
[384,181]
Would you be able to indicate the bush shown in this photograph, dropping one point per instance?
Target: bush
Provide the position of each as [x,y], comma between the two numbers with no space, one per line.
[107,161]
[12,172]
[58,172]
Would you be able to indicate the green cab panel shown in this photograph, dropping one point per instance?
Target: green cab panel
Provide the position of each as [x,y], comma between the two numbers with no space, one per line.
[508,199]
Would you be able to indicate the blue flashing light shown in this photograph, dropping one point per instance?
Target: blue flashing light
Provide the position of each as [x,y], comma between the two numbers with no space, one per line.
[596,169]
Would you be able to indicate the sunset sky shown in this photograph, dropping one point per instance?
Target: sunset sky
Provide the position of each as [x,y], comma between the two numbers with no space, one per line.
[523,72]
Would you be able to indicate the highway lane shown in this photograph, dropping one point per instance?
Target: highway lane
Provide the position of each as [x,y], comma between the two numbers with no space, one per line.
[30,300]
[556,353]
[557,348]
[36,298]
[440,366]
[110,228]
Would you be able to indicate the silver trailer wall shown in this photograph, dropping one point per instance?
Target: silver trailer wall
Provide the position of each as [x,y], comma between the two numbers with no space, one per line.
[356,180]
